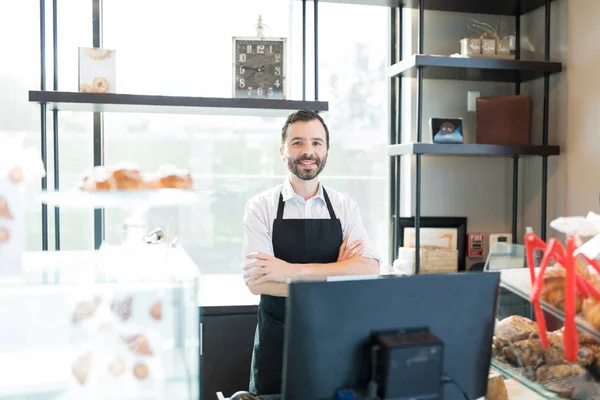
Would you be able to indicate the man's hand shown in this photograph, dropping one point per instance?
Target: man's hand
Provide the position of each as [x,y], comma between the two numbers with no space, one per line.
[355,248]
[268,268]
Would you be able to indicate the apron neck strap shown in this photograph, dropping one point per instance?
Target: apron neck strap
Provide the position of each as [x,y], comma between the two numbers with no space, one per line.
[281,205]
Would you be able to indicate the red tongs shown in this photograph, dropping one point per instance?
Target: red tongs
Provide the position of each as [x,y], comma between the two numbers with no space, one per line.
[575,284]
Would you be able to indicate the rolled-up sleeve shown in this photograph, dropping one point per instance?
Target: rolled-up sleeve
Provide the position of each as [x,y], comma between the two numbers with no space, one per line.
[354,229]
[257,236]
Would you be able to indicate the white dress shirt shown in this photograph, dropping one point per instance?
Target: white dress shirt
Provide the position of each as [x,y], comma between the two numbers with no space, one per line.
[261,211]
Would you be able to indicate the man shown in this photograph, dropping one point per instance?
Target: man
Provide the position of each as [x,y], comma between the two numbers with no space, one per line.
[297,230]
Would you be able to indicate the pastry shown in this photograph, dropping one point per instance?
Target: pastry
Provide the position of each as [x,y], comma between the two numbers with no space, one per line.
[140,371]
[122,307]
[553,289]
[85,88]
[171,177]
[98,179]
[513,329]
[16,175]
[99,54]
[591,312]
[81,367]
[100,85]
[4,211]
[4,235]
[116,368]
[127,177]
[496,389]
[156,311]
[525,353]
[86,309]
[138,344]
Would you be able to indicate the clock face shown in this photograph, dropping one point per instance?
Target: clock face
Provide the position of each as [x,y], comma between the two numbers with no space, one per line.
[259,68]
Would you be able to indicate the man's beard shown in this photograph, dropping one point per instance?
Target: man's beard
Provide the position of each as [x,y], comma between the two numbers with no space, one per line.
[304,173]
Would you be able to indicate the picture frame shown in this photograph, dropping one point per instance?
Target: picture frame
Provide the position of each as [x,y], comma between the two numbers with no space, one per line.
[446,130]
[456,224]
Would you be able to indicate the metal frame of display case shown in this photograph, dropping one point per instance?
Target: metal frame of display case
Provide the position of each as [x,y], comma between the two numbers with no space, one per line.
[99,103]
[422,66]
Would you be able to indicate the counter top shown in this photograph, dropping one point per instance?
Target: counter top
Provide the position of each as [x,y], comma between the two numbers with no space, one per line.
[225,294]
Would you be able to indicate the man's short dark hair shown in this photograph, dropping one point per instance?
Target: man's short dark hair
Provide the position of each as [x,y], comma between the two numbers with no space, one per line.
[304,115]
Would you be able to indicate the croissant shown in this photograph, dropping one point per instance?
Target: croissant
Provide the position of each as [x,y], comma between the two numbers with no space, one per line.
[591,312]
[553,289]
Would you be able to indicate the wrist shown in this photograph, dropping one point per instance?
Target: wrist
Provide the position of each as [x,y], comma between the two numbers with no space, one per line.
[303,270]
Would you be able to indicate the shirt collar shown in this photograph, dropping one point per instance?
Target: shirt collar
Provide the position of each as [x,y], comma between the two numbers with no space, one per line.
[288,191]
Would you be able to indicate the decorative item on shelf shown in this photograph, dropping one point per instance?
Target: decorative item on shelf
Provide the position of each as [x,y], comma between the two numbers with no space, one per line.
[503,120]
[442,243]
[97,70]
[446,130]
[18,164]
[489,42]
[259,65]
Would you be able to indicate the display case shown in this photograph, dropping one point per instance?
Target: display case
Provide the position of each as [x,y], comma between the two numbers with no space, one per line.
[118,323]
[518,351]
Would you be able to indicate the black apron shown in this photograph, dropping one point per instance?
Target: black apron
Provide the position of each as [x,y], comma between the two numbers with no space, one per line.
[299,241]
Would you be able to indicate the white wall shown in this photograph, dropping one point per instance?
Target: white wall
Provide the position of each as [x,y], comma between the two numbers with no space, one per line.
[582,153]
[480,188]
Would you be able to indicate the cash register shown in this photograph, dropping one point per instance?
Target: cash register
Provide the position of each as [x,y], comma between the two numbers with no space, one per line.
[411,337]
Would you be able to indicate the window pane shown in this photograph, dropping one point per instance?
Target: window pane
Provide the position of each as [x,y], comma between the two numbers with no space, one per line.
[176,52]
[20,72]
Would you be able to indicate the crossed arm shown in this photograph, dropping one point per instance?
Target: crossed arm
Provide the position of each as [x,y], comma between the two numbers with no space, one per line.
[266,274]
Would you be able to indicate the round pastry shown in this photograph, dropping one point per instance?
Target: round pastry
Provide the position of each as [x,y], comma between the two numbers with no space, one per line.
[116,368]
[127,177]
[171,177]
[140,371]
[4,235]
[100,85]
[553,289]
[156,311]
[515,328]
[98,179]
[16,175]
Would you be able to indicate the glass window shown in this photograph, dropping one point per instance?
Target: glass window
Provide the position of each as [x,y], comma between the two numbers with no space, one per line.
[180,50]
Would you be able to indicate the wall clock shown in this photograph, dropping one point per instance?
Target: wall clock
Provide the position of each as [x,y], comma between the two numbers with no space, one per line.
[259,67]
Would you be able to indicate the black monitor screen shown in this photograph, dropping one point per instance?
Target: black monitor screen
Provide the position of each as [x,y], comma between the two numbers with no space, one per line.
[328,325]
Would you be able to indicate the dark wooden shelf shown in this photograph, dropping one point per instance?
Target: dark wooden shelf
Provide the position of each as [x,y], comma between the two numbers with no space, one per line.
[473,69]
[135,103]
[472,149]
[496,7]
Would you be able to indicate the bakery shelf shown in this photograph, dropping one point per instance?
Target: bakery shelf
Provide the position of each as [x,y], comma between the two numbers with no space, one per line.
[136,103]
[505,7]
[472,149]
[473,69]
[518,282]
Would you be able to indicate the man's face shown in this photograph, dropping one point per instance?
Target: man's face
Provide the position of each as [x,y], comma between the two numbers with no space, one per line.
[305,149]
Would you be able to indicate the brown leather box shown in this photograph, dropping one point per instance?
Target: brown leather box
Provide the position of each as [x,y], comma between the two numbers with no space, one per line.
[503,120]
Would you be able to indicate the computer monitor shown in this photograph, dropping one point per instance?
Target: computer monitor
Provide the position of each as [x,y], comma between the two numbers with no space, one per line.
[329,323]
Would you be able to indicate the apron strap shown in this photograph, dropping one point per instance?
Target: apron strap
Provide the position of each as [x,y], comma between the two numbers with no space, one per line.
[329,206]
[281,205]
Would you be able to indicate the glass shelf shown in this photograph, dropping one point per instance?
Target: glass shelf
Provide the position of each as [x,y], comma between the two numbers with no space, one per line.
[532,361]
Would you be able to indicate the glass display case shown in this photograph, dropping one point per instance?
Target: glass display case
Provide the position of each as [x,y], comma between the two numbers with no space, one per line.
[518,351]
[118,323]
